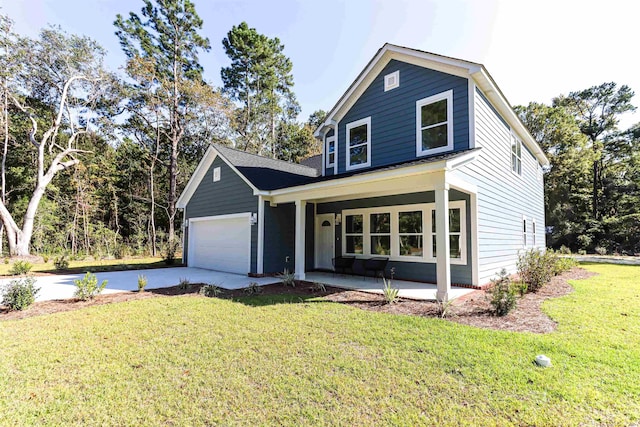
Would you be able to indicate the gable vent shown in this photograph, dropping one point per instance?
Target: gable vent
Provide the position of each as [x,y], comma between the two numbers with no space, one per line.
[392,81]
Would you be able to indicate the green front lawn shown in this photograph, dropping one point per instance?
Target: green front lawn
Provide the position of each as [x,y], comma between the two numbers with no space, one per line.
[96,265]
[268,360]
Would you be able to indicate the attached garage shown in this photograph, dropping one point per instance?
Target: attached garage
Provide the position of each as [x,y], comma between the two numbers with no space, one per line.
[221,243]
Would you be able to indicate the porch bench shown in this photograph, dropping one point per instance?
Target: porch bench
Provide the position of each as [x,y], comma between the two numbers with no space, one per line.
[376,265]
[343,263]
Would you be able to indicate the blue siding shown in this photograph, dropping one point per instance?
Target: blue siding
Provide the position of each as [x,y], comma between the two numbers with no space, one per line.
[393,113]
[230,195]
[280,239]
[419,271]
[503,197]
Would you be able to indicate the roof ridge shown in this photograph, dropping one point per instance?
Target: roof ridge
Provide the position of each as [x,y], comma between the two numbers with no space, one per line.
[261,157]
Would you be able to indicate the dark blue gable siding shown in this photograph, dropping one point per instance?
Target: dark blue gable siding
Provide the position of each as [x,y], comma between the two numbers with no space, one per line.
[393,113]
[230,195]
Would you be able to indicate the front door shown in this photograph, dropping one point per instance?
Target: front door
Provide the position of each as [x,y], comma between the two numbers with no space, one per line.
[325,241]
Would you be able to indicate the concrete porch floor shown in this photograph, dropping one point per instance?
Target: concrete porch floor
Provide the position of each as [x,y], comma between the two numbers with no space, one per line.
[413,290]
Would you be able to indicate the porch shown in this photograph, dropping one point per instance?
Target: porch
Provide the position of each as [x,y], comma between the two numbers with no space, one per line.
[412,290]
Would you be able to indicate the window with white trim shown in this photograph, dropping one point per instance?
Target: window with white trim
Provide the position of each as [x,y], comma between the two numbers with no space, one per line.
[399,232]
[330,151]
[358,144]
[457,246]
[533,231]
[216,174]
[524,231]
[354,234]
[410,235]
[380,232]
[516,155]
[434,127]
[392,80]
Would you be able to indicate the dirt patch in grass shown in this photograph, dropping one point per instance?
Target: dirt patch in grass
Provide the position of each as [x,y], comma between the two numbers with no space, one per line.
[473,309]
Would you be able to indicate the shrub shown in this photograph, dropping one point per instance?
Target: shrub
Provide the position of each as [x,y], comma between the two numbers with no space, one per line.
[444,308]
[600,250]
[87,288]
[183,284]
[318,287]
[142,282]
[582,252]
[169,255]
[563,264]
[253,288]
[61,262]
[535,268]
[390,293]
[503,294]
[564,250]
[288,278]
[20,293]
[211,290]
[45,259]
[20,267]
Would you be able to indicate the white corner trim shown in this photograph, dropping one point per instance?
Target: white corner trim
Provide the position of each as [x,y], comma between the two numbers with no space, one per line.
[475,244]
[260,249]
[348,127]
[448,96]
[472,113]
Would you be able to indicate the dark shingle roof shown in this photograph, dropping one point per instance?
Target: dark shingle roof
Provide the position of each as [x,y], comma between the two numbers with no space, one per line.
[269,174]
[265,173]
[314,162]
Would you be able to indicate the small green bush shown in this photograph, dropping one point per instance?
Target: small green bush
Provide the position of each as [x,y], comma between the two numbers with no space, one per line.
[288,278]
[503,294]
[211,290]
[45,259]
[142,282]
[20,293]
[600,250]
[252,289]
[563,264]
[183,284]
[87,288]
[169,255]
[389,292]
[20,267]
[318,287]
[564,250]
[535,268]
[582,252]
[61,262]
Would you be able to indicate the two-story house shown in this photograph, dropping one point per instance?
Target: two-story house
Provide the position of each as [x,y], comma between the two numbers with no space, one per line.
[424,163]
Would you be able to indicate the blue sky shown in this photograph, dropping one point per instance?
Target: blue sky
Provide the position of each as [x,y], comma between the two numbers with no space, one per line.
[535,50]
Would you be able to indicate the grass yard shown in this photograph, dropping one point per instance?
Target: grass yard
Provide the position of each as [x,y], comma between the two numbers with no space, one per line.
[192,360]
[96,265]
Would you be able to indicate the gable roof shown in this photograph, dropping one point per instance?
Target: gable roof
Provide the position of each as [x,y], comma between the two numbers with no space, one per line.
[313,162]
[471,70]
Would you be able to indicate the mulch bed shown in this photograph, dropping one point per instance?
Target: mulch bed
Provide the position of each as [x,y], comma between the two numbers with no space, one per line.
[473,309]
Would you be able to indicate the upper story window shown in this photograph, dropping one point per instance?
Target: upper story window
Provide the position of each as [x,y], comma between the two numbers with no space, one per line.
[392,80]
[516,155]
[330,151]
[359,144]
[434,127]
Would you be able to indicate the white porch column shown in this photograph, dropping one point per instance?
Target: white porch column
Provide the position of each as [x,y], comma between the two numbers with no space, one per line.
[260,263]
[443,257]
[301,210]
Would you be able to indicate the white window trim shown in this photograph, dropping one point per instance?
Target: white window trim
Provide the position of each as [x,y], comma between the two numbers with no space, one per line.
[328,140]
[396,76]
[216,174]
[533,232]
[349,126]
[517,141]
[426,209]
[448,95]
[525,232]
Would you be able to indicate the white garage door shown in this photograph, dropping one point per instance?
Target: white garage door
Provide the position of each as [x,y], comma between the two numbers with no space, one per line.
[222,243]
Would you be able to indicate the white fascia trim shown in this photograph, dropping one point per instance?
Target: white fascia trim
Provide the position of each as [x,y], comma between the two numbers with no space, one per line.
[446,165]
[472,113]
[202,168]
[492,91]
[214,217]
[348,127]
[448,96]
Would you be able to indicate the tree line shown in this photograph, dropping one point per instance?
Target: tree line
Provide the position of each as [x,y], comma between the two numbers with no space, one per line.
[93,161]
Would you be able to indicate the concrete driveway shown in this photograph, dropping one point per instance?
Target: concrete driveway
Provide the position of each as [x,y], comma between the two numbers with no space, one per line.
[62,286]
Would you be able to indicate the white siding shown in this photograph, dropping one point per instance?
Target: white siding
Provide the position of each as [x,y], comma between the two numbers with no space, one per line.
[503,197]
